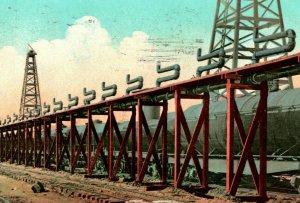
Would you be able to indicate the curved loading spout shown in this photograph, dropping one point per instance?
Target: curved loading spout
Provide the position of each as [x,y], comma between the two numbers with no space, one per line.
[15,116]
[34,112]
[175,76]
[46,108]
[290,34]
[91,94]
[129,81]
[110,94]
[219,64]
[73,100]
[8,119]
[59,105]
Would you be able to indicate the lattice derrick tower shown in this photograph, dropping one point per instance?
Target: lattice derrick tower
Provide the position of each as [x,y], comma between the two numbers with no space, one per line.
[235,25]
[30,98]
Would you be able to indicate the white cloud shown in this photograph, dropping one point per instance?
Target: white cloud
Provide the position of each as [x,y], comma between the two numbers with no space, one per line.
[11,79]
[84,58]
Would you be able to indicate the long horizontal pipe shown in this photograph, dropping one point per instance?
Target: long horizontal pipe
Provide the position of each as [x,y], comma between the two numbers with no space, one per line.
[281,67]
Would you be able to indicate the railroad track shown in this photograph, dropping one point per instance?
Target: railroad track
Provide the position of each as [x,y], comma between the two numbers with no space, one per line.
[90,190]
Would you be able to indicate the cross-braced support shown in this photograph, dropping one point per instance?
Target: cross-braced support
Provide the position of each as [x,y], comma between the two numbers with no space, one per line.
[21,144]
[113,129]
[28,154]
[7,144]
[99,142]
[47,142]
[79,140]
[62,146]
[259,121]
[180,121]
[13,147]
[152,140]
[37,143]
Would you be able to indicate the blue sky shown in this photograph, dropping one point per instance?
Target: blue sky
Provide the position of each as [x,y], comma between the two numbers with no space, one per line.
[25,21]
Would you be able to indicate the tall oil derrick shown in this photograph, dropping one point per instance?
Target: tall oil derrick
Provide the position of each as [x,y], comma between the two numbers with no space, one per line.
[30,98]
[236,24]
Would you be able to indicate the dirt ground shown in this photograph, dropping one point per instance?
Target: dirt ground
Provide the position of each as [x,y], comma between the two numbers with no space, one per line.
[16,182]
[19,192]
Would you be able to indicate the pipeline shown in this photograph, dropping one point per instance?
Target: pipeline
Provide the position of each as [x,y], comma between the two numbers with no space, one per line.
[91,93]
[290,34]
[256,79]
[59,105]
[73,100]
[175,76]
[253,79]
[110,94]
[219,64]
[129,81]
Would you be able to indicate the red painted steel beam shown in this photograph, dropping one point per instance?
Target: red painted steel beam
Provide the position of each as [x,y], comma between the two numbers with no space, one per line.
[47,142]
[263,142]
[164,141]
[246,148]
[89,141]
[133,146]
[80,149]
[259,122]
[243,138]
[149,138]
[140,137]
[120,140]
[99,148]
[26,144]
[35,140]
[110,143]
[15,146]
[12,135]
[64,149]
[122,149]
[7,144]
[18,143]
[30,151]
[1,144]
[38,159]
[151,150]
[230,135]
[72,140]
[177,136]
[202,122]
[57,141]
[205,145]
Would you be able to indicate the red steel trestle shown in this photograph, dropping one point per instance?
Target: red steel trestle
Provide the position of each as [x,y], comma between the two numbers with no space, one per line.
[180,121]
[114,162]
[161,128]
[259,121]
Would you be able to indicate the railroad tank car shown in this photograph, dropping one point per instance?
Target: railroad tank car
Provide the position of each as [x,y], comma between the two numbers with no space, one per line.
[283,132]
[283,126]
